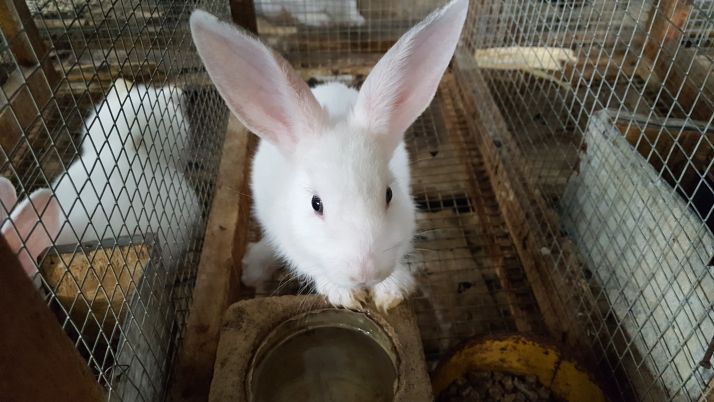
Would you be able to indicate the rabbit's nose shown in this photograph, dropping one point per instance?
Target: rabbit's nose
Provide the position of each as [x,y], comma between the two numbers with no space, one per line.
[367,273]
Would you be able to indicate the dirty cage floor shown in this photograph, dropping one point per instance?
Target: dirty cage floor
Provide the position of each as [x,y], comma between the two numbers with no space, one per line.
[471,281]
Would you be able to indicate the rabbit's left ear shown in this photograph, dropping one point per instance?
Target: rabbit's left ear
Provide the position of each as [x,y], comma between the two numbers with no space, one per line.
[259,86]
[405,79]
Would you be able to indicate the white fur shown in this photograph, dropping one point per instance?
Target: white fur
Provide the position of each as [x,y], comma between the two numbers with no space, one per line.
[343,146]
[314,12]
[337,98]
[128,181]
[139,117]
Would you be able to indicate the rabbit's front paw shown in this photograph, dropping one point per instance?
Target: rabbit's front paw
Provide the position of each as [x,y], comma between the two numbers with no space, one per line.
[259,264]
[342,297]
[393,290]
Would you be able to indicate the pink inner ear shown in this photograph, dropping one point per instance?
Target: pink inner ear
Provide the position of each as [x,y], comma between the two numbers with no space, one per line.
[404,81]
[260,87]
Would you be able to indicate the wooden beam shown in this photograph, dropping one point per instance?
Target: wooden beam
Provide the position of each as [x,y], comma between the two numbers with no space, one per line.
[677,67]
[37,360]
[517,202]
[218,274]
[31,86]
[24,38]
[667,22]
[496,256]
[243,14]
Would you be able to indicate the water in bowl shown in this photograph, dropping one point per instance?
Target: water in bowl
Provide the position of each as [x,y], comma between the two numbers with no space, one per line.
[325,364]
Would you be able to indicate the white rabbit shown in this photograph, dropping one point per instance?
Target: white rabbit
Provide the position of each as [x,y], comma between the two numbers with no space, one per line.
[313,13]
[33,223]
[330,179]
[127,181]
[142,118]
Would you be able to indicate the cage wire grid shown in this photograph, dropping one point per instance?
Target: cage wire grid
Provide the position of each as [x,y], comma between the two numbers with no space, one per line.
[611,144]
[639,255]
[646,305]
[599,127]
[123,294]
[471,282]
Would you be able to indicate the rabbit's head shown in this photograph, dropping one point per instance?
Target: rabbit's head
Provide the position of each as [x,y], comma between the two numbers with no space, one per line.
[32,223]
[351,215]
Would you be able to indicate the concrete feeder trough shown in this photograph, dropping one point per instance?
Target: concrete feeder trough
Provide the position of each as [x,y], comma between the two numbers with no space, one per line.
[299,348]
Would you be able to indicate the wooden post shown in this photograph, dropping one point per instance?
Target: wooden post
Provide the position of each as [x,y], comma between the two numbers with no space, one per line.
[517,201]
[32,85]
[668,20]
[37,360]
[218,271]
[674,65]
[29,49]
[243,14]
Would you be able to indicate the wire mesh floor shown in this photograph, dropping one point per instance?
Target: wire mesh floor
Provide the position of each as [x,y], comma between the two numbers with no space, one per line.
[471,280]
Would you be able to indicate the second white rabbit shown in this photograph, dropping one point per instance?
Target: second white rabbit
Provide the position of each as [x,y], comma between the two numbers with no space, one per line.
[128,180]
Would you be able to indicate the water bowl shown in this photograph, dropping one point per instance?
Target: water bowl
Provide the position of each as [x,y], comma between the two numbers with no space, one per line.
[298,349]
[328,354]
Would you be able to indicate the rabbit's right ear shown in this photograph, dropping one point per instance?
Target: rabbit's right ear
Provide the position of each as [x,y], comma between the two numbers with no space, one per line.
[404,81]
[8,197]
[259,86]
[27,228]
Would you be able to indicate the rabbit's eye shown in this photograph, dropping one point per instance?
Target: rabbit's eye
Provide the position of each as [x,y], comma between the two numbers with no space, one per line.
[317,204]
[389,195]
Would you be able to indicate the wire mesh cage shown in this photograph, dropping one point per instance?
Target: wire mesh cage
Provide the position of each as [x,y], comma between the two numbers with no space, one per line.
[605,118]
[592,120]
[107,105]
[562,174]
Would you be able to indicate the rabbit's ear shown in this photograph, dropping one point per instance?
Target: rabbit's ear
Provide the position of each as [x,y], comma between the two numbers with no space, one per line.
[405,79]
[121,88]
[8,197]
[258,85]
[27,228]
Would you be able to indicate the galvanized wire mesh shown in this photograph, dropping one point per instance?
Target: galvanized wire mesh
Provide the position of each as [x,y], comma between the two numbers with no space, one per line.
[605,111]
[132,164]
[608,107]
[471,280]
[319,31]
